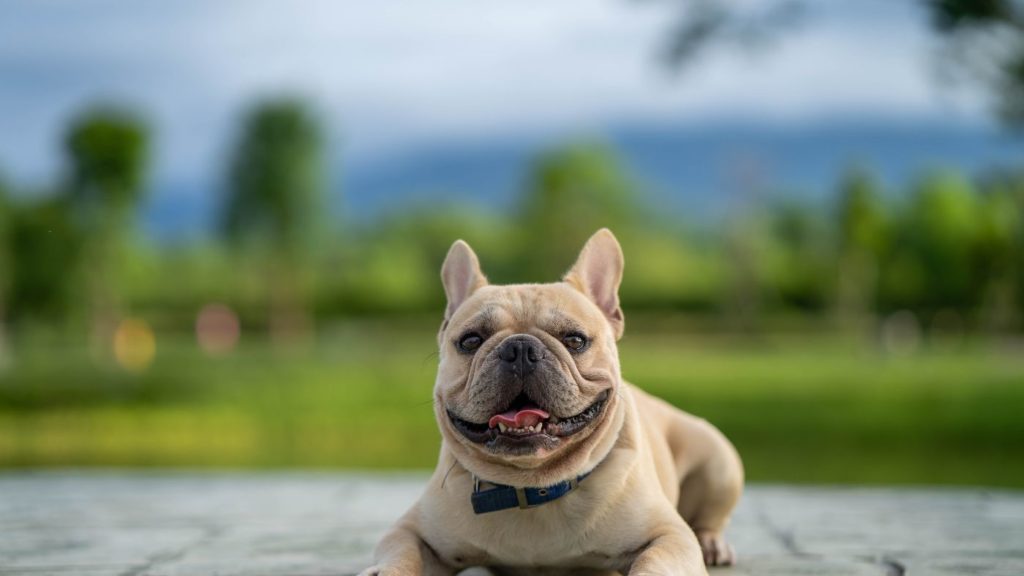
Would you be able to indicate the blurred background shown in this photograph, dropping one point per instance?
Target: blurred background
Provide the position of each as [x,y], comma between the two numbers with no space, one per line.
[221,224]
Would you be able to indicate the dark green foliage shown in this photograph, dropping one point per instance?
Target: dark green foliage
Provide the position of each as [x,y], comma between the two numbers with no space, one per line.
[946,244]
[275,196]
[862,226]
[863,239]
[275,183]
[949,15]
[108,152]
[45,248]
[392,266]
[806,271]
[941,230]
[108,156]
[570,193]
[5,219]
[1000,253]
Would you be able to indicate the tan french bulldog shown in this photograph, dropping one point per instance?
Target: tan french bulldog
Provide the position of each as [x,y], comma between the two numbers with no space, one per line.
[550,463]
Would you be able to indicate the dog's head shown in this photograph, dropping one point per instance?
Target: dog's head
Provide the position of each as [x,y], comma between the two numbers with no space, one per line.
[527,388]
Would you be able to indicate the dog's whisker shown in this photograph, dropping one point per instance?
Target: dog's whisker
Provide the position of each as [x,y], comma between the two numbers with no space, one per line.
[433,356]
[445,479]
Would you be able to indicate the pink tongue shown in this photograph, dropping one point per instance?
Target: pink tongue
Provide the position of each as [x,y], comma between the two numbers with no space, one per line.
[521,418]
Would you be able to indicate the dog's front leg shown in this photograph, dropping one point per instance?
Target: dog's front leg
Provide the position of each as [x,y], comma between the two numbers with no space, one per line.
[672,551]
[402,552]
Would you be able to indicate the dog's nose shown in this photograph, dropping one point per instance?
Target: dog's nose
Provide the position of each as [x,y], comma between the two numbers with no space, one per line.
[520,354]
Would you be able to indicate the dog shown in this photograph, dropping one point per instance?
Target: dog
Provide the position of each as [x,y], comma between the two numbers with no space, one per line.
[550,463]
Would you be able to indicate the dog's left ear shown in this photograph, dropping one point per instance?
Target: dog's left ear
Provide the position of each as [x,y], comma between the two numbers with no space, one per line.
[598,273]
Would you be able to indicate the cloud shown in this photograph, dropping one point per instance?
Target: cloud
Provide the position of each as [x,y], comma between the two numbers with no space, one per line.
[385,74]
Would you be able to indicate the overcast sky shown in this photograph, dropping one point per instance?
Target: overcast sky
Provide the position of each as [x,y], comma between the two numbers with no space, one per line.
[386,75]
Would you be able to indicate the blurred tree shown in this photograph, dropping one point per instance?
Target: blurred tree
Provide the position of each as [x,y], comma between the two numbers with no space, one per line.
[570,193]
[5,265]
[862,241]
[275,193]
[45,245]
[802,281]
[984,37]
[1000,254]
[393,265]
[107,149]
[703,23]
[933,266]
[744,236]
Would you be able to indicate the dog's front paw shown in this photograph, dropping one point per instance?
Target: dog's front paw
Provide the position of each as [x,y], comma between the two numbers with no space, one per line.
[717,552]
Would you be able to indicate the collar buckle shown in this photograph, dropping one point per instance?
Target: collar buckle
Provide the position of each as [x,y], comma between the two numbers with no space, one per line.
[521,498]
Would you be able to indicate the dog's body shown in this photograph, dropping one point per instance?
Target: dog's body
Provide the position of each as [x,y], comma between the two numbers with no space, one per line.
[538,364]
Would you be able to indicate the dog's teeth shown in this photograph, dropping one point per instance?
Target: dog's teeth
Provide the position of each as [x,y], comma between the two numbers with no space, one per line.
[501,427]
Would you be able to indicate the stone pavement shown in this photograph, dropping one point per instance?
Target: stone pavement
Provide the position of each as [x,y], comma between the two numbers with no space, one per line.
[100,524]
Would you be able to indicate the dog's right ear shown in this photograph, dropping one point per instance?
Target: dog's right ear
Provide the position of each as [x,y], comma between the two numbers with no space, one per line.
[461,276]
[598,273]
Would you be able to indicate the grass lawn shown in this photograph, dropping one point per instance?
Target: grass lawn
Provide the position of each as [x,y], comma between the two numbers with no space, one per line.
[800,409]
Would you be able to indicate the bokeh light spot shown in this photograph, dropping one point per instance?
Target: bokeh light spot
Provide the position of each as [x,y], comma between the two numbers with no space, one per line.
[217,329]
[134,345]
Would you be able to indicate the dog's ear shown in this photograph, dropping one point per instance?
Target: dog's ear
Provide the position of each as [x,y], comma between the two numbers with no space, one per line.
[461,276]
[597,273]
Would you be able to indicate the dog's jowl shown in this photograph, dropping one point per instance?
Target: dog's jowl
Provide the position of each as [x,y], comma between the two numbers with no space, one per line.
[550,463]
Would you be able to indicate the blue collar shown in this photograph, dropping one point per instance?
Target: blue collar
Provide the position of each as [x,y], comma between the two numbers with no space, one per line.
[503,497]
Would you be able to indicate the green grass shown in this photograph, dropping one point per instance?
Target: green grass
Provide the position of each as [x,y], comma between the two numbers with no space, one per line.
[800,409]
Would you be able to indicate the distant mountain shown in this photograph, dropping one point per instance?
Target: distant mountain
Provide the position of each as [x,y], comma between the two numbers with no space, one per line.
[690,170]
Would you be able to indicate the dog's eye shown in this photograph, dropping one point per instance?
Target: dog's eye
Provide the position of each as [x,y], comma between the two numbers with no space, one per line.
[574,341]
[470,342]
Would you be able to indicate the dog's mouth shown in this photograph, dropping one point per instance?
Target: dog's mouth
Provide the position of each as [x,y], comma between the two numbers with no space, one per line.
[525,421]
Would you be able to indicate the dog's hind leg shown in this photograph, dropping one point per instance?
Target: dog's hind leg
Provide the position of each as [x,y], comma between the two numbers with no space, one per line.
[711,481]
